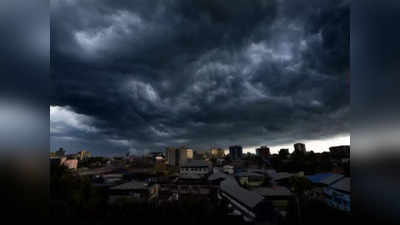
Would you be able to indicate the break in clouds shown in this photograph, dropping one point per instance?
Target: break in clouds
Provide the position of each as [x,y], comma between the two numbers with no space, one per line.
[142,75]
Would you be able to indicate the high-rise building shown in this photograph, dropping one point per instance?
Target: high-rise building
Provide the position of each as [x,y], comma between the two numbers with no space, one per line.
[236,152]
[189,153]
[84,154]
[177,156]
[300,147]
[217,152]
[263,152]
[171,156]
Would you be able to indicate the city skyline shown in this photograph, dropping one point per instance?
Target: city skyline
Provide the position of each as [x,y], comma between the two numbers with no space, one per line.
[138,77]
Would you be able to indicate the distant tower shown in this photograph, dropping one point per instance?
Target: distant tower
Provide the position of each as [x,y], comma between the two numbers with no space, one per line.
[189,153]
[178,156]
[235,152]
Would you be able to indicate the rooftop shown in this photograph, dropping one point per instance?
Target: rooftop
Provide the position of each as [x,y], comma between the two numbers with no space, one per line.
[282,175]
[217,175]
[325,178]
[246,197]
[132,185]
[196,163]
[249,174]
[273,191]
[343,185]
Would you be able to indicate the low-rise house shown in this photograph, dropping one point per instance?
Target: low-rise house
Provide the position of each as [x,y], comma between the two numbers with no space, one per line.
[320,181]
[281,178]
[195,169]
[279,196]
[337,194]
[248,204]
[133,191]
[250,179]
[332,188]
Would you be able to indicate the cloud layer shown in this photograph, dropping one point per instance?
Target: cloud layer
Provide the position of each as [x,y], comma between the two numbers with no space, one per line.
[142,75]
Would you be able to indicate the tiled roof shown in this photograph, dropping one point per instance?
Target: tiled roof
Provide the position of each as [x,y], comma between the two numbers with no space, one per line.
[244,196]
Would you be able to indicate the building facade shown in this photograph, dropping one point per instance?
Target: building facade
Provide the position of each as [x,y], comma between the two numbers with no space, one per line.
[69,163]
[83,155]
[189,153]
[236,152]
[263,152]
[217,153]
[337,195]
[177,156]
[195,169]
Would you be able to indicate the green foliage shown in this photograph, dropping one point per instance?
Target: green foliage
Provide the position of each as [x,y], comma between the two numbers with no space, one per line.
[71,194]
[283,154]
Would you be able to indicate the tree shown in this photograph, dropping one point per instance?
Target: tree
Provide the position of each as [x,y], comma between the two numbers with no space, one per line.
[160,168]
[283,154]
[71,194]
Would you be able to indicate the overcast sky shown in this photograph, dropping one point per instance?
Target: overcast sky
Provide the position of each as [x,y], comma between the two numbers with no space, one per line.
[139,76]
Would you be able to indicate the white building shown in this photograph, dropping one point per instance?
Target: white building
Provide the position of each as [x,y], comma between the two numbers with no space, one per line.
[177,156]
[195,168]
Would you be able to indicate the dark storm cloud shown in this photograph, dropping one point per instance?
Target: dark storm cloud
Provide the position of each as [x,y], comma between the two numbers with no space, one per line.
[142,75]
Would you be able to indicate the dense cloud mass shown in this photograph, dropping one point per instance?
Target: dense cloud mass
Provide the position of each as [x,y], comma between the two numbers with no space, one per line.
[142,75]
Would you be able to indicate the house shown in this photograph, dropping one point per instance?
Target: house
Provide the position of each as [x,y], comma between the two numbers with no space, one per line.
[320,181]
[217,177]
[250,179]
[282,178]
[279,196]
[332,188]
[195,169]
[337,195]
[248,204]
[133,191]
